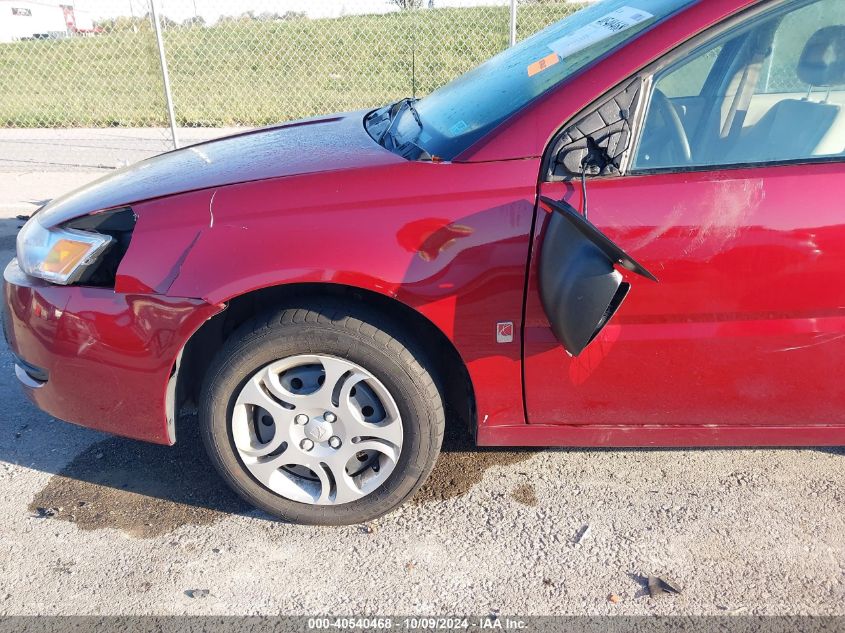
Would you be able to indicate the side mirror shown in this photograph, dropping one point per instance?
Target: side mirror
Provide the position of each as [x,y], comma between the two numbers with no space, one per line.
[579,286]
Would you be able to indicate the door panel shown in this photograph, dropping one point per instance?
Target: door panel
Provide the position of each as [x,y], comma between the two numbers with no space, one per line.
[747,323]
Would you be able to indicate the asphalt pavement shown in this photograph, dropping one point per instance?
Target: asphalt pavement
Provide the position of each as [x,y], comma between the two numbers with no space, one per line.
[93,524]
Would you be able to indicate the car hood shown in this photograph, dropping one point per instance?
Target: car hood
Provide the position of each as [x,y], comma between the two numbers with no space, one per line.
[302,147]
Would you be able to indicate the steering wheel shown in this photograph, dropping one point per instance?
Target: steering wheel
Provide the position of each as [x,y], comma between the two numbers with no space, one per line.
[675,134]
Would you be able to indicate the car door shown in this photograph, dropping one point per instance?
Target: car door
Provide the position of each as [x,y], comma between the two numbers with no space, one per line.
[720,172]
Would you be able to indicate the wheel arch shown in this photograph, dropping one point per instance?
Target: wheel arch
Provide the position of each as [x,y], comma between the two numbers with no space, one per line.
[451,372]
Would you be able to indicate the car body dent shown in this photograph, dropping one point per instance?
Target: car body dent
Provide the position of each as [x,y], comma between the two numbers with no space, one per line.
[93,341]
[448,240]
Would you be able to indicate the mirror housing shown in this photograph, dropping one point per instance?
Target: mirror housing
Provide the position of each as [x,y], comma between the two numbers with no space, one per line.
[580,288]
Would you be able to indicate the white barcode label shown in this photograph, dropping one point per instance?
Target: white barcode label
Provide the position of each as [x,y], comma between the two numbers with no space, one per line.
[598,30]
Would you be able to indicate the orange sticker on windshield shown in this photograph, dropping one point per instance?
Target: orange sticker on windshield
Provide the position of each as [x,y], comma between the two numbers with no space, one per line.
[540,66]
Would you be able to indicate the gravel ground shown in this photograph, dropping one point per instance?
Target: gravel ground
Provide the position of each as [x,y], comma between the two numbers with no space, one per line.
[93,524]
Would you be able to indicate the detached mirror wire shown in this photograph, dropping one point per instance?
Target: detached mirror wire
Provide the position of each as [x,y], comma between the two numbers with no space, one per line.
[584,189]
[594,163]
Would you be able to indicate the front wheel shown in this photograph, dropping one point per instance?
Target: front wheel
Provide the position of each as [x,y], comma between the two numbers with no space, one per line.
[323,414]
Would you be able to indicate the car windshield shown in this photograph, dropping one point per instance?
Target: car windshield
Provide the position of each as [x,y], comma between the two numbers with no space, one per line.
[452,118]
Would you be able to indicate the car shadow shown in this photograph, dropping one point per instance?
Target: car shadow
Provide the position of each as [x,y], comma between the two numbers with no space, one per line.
[9,228]
[147,490]
[142,489]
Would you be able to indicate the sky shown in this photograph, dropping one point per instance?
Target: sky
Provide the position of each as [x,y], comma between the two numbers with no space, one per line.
[211,10]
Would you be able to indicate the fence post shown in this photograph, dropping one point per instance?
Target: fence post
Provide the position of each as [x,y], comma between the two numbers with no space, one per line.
[165,76]
[513,22]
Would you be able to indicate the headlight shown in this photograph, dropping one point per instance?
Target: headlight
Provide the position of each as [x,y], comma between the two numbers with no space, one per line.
[58,255]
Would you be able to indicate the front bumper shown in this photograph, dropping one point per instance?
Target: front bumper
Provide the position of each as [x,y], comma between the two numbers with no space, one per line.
[95,357]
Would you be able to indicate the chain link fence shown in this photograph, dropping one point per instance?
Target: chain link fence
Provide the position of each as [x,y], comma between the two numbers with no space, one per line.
[248,63]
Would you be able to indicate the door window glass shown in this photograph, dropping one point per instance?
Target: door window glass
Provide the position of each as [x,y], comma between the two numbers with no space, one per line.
[690,82]
[770,90]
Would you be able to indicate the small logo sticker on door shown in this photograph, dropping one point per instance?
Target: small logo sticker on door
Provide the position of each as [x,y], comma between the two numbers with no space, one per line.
[504,332]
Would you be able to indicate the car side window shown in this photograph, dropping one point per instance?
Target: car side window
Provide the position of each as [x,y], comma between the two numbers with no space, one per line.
[771,90]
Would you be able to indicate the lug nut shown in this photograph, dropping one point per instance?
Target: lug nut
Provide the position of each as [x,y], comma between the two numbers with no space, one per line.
[301,419]
[306,444]
[334,441]
[329,416]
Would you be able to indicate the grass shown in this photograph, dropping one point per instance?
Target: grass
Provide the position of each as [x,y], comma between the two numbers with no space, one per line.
[251,73]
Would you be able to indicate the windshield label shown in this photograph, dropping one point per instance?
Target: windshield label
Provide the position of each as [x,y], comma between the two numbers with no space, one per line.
[599,30]
[540,66]
[458,127]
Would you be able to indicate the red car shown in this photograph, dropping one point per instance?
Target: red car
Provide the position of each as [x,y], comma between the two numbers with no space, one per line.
[625,231]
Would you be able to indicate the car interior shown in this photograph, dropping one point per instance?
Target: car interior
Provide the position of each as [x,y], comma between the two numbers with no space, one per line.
[773,92]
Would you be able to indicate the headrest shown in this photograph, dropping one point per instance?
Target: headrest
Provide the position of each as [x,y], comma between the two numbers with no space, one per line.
[823,60]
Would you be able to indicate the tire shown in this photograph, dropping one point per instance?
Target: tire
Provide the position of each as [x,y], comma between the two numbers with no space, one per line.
[284,359]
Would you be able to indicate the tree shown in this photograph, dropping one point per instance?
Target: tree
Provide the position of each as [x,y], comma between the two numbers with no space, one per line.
[197,20]
[124,24]
[407,5]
